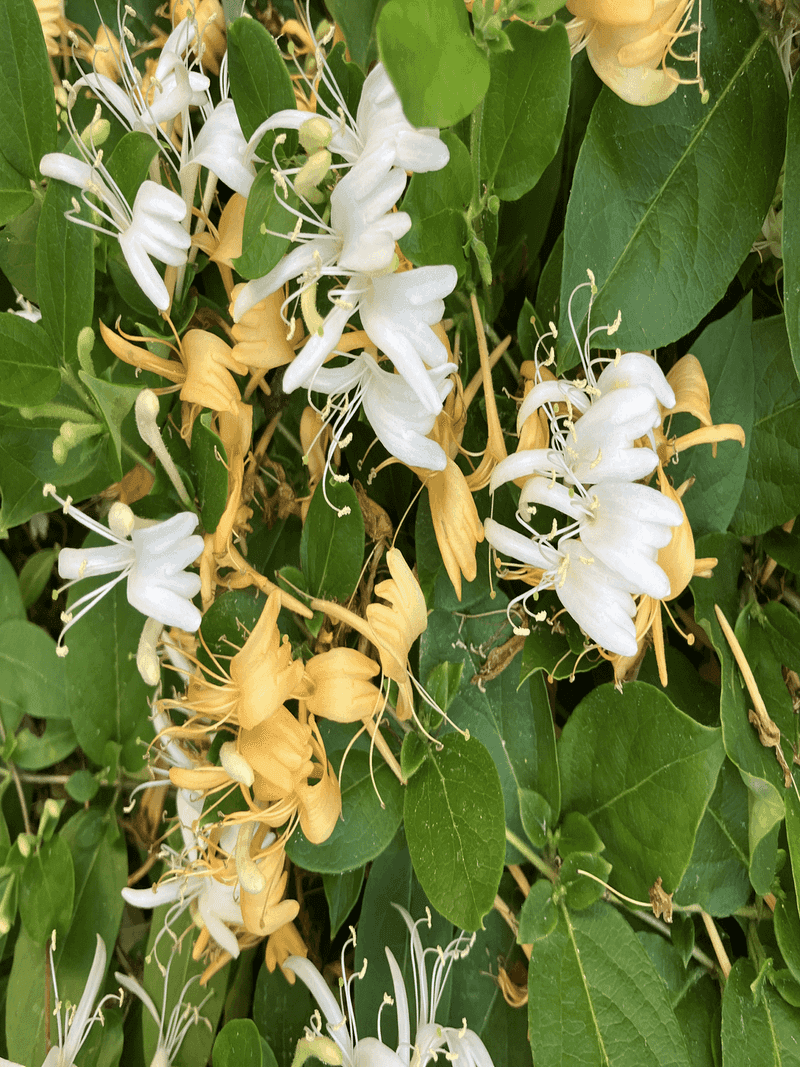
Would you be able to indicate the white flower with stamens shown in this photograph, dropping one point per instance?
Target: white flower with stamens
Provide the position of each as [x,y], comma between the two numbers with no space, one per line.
[182,1018]
[391,405]
[459,1045]
[151,228]
[152,558]
[74,1023]
[598,598]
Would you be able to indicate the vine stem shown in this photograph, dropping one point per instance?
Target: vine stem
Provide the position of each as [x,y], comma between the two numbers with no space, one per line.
[537,861]
[18,784]
[716,941]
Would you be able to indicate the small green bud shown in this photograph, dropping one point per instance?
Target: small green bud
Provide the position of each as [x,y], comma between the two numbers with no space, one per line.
[493,204]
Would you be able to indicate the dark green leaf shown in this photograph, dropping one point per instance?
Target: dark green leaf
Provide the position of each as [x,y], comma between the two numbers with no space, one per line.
[260,83]
[107,697]
[129,163]
[791,227]
[640,167]
[455,824]
[365,828]
[576,834]
[760,1030]
[15,192]
[35,574]
[28,362]
[436,202]
[332,543]
[438,70]
[268,225]
[536,815]
[784,548]
[643,773]
[539,915]
[281,1011]
[342,892]
[32,677]
[582,892]
[32,753]
[11,603]
[358,19]
[47,890]
[524,109]
[594,997]
[238,1045]
[27,107]
[771,493]
[209,460]
[115,402]
[725,351]
[64,271]
[82,786]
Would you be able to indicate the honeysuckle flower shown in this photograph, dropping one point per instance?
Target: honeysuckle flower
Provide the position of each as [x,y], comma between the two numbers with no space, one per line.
[340,685]
[210,19]
[628,44]
[391,404]
[456,523]
[151,228]
[622,524]
[343,1045]
[260,334]
[220,147]
[209,361]
[282,944]
[51,16]
[152,558]
[598,598]
[173,1029]
[75,1022]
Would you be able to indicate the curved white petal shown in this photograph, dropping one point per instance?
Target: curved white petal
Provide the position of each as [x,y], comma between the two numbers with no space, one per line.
[516,545]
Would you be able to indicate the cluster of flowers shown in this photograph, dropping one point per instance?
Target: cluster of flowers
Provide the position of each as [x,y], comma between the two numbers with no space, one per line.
[628,45]
[584,448]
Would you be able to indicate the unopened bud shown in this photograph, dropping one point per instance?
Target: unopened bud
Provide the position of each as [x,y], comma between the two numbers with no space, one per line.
[314,134]
[60,451]
[120,519]
[311,174]
[96,133]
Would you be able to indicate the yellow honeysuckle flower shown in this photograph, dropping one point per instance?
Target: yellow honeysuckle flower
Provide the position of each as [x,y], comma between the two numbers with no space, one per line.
[282,944]
[341,689]
[210,19]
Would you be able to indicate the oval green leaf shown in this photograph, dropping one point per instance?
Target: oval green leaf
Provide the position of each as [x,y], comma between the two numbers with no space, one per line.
[28,362]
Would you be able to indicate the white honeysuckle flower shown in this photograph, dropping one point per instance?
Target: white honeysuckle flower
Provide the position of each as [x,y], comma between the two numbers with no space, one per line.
[430,1039]
[360,238]
[26,309]
[397,312]
[391,405]
[598,598]
[217,905]
[175,88]
[220,147]
[152,558]
[75,1022]
[623,524]
[172,1030]
[151,228]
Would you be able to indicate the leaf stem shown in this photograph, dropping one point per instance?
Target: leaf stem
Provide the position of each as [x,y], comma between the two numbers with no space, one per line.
[18,784]
[522,846]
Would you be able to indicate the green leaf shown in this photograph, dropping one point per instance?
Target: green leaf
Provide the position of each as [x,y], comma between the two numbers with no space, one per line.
[436,202]
[15,192]
[787,932]
[791,227]
[106,695]
[28,362]
[129,163]
[438,70]
[47,889]
[576,834]
[476,996]
[18,251]
[342,892]
[209,460]
[265,218]
[643,773]
[238,1044]
[365,828]
[760,1030]
[82,786]
[757,765]
[101,870]
[12,606]
[725,351]
[594,997]
[332,543]
[555,652]
[64,271]
[32,677]
[260,82]
[455,824]
[115,402]
[524,109]
[35,574]
[27,107]
[716,877]
[639,170]
[536,816]
[281,1011]
[35,753]
[582,892]
[771,493]
[357,19]
[196,1045]
[539,915]
[784,548]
